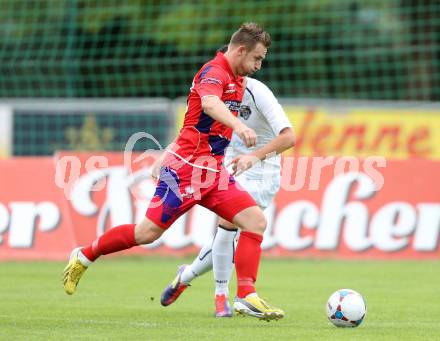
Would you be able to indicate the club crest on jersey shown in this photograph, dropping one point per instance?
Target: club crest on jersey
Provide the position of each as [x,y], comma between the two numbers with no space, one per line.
[189,192]
[245,112]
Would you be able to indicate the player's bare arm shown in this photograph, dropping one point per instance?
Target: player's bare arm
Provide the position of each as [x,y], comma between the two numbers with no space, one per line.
[155,168]
[215,108]
[284,141]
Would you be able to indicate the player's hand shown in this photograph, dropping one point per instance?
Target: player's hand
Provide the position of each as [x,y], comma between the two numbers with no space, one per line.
[242,163]
[155,169]
[247,135]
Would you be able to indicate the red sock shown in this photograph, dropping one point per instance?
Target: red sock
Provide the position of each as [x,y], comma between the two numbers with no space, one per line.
[247,259]
[116,239]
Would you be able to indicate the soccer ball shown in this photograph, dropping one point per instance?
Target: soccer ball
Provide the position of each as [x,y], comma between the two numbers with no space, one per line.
[346,308]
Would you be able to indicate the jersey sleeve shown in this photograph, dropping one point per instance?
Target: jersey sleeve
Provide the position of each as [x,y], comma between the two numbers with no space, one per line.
[211,82]
[270,108]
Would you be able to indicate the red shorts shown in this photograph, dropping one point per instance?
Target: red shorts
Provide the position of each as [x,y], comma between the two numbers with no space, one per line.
[180,188]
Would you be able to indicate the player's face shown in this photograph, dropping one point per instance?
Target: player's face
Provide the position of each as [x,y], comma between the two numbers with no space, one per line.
[251,60]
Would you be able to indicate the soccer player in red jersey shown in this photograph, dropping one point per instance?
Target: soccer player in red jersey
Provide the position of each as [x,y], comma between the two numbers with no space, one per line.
[192,172]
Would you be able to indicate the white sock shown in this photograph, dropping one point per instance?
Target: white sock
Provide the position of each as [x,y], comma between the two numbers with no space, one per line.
[223,259]
[83,259]
[201,264]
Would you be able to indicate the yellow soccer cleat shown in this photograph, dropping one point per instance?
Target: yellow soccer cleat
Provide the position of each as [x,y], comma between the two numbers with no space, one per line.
[252,305]
[73,272]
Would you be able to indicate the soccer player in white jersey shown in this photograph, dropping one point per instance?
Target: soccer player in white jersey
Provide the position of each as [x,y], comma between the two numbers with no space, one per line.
[258,171]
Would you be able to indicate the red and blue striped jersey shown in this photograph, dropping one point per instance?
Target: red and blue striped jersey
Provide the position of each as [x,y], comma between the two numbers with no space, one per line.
[201,135]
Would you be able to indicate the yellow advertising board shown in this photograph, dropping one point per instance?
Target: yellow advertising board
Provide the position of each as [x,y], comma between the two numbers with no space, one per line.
[395,133]
[5,131]
[389,132]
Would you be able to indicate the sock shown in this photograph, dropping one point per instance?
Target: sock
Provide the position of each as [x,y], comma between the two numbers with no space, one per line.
[223,259]
[201,264]
[116,239]
[83,259]
[247,259]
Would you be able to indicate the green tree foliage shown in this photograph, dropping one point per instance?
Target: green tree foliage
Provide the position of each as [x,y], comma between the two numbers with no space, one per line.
[368,49]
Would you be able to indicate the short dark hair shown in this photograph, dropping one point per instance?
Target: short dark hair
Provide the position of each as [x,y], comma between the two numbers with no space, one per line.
[223,49]
[249,35]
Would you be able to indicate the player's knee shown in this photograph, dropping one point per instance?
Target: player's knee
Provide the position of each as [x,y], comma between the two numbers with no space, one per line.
[256,224]
[261,224]
[226,224]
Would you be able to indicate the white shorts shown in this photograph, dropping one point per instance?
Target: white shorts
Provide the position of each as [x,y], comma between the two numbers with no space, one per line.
[263,191]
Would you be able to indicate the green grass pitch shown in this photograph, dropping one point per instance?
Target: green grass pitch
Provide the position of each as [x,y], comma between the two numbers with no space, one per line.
[118,299]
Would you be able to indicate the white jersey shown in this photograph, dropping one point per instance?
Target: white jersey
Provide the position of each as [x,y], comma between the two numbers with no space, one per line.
[260,111]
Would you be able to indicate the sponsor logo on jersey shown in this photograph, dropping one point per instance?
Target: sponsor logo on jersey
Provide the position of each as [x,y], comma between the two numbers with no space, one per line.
[211,80]
[231,88]
[233,105]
